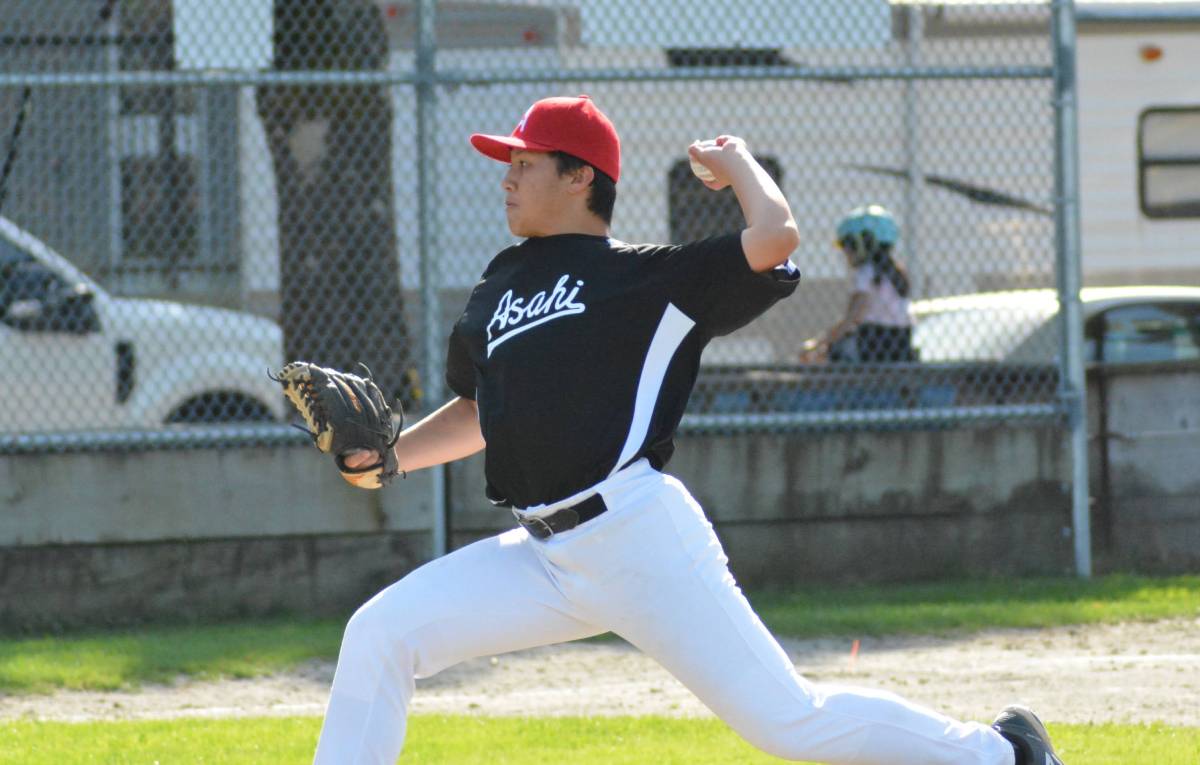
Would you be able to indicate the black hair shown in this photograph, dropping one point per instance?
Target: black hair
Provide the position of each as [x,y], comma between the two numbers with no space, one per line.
[603,195]
[887,266]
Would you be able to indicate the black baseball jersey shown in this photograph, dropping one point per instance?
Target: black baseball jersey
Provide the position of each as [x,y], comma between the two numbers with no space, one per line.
[581,352]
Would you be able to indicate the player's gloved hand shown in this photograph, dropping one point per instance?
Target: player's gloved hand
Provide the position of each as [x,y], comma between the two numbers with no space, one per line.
[348,418]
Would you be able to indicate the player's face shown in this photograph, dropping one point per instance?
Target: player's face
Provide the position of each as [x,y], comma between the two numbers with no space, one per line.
[535,195]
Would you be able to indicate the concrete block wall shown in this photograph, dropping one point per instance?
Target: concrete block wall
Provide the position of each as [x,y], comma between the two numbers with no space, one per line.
[125,536]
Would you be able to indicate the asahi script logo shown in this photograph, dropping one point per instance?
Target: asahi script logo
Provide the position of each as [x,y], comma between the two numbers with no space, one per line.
[514,315]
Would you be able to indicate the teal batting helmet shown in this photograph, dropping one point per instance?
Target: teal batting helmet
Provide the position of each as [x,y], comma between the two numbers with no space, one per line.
[866,228]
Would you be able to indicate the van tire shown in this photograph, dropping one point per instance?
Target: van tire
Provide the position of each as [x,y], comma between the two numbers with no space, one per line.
[220,406]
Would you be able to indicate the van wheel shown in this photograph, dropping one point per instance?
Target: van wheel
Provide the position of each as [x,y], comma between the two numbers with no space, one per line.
[220,406]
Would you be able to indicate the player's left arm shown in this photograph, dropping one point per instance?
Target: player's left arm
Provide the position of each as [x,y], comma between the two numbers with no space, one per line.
[771,234]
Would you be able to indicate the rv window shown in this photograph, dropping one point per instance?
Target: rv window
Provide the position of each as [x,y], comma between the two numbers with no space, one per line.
[696,212]
[1169,162]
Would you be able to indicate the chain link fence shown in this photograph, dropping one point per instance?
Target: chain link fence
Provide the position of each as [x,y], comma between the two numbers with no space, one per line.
[195,192]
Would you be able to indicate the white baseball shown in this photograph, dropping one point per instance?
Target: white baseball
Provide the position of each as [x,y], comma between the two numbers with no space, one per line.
[699,170]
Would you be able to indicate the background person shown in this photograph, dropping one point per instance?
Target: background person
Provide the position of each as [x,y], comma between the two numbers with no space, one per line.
[877,326]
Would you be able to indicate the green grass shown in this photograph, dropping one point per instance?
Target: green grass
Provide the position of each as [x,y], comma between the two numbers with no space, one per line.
[123,658]
[970,606]
[118,659]
[457,740]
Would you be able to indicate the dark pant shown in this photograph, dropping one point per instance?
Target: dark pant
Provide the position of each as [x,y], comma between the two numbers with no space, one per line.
[878,343]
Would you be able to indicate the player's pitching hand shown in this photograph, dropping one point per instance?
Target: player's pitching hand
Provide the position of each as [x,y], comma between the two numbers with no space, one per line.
[718,156]
[362,458]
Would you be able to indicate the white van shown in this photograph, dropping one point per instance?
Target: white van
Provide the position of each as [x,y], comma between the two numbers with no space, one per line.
[77,358]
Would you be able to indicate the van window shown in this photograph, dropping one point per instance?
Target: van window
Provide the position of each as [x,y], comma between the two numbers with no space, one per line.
[24,280]
[1169,162]
[697,212]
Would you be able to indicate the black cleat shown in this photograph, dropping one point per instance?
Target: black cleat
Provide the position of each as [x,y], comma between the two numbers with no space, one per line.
[1028,736]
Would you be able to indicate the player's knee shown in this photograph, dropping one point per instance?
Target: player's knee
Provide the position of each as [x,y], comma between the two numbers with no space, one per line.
[364,632]
[395,620]
[376,629]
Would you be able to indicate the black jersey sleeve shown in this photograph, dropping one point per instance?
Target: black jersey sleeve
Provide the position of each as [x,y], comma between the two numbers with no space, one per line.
[460,372]
[716,286]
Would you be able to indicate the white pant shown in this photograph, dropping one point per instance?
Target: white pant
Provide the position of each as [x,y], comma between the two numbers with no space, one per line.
[651,570]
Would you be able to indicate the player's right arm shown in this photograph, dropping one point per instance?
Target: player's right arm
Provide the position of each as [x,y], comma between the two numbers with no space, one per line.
[451,433]
[771,234]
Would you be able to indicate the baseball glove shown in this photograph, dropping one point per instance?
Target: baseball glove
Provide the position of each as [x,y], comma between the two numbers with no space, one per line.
[344,413]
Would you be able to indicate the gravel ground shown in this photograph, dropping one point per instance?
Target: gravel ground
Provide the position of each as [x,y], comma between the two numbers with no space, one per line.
[1136,672]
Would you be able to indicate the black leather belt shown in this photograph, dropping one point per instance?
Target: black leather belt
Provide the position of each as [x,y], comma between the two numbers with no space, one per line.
[563,519]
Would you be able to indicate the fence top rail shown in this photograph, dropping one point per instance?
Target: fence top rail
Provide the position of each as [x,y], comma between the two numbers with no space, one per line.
[799,421]
[214,436]
[460,77]
[200,77]
[175,437]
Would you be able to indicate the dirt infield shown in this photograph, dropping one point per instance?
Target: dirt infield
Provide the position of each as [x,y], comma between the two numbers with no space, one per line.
[1144,672]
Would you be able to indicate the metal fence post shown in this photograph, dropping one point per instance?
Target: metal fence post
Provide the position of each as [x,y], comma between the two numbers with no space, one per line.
[430,302]
[912,150]
[1073,385]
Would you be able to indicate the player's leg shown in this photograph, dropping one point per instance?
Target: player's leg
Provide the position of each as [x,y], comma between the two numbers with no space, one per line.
[490,597]
[692,618]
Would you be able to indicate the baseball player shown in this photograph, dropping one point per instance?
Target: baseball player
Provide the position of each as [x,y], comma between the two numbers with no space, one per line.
[572,362]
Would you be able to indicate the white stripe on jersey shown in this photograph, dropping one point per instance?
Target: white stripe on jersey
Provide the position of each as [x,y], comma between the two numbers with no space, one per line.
[672,328]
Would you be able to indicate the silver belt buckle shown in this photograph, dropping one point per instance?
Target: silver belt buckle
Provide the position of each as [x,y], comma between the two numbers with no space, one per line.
[535,525]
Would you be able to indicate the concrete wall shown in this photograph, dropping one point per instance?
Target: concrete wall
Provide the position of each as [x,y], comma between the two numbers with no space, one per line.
[116,537]
[49,586]
[121,536]
[142,496]
[1146,467]
[838,507]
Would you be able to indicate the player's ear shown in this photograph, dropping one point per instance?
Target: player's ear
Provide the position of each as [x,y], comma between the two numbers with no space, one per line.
[581,178]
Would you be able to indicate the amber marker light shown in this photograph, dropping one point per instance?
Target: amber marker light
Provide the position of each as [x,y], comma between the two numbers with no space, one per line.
[1150,53]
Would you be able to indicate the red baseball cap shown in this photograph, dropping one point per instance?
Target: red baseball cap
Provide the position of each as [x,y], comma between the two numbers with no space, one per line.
[571,125]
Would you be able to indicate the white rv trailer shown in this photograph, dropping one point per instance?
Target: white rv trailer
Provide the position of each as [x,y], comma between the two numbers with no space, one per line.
[1139,142]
